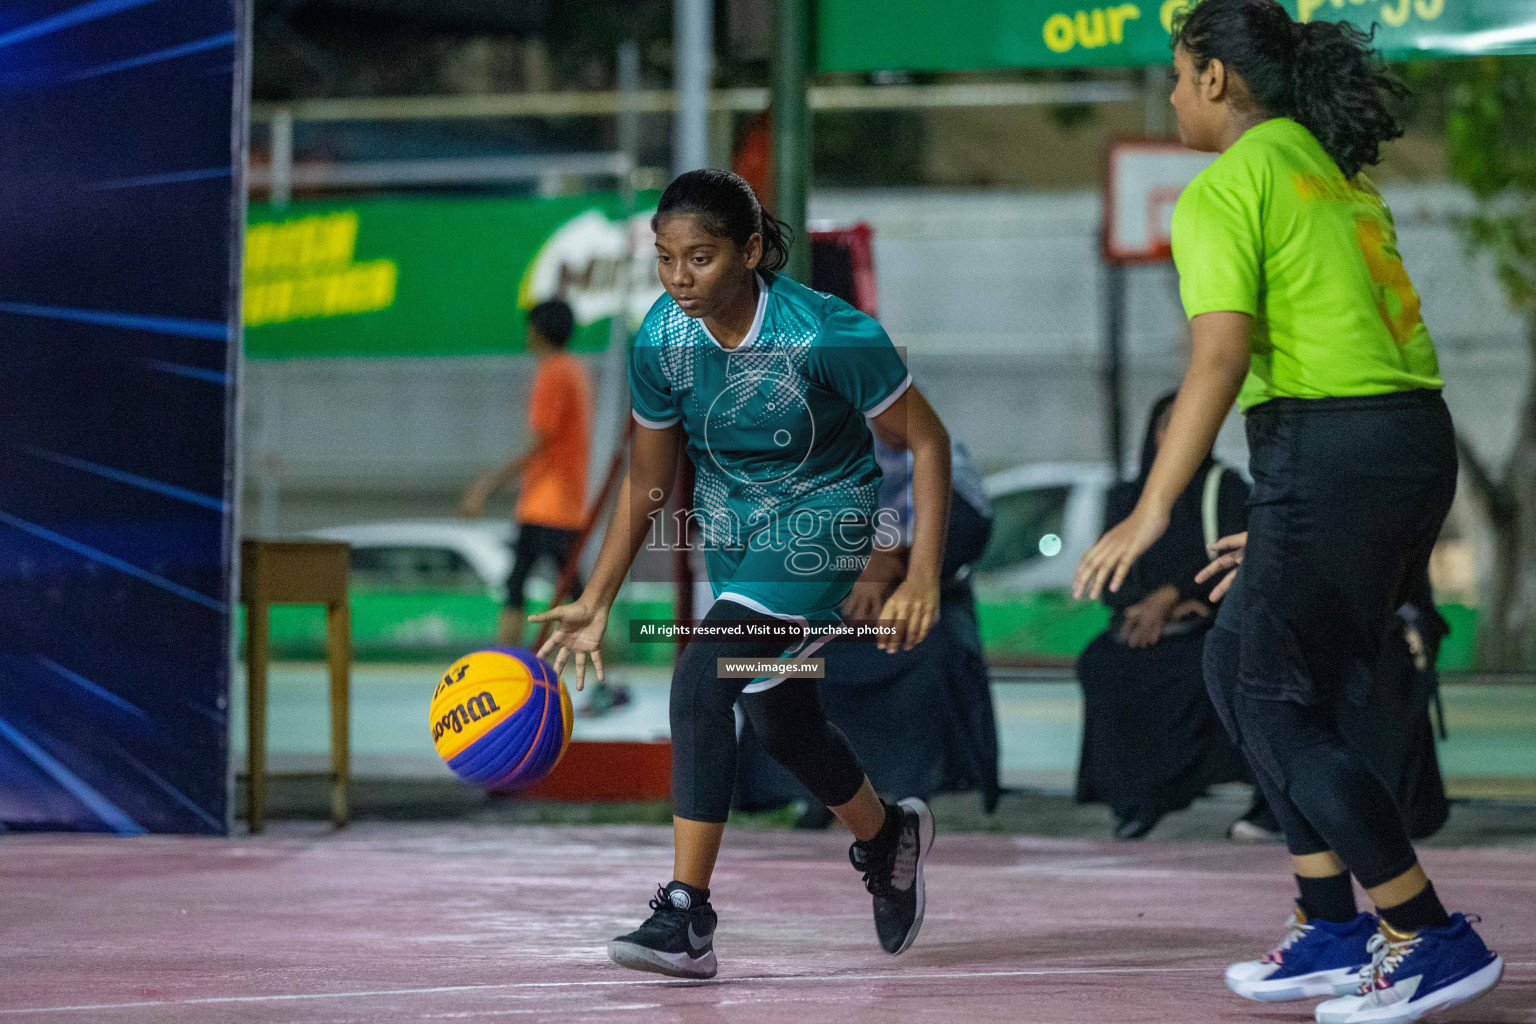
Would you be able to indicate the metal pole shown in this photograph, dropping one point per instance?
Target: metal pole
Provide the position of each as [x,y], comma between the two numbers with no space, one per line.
[268,452]
[742,99]
[1114,363]
[282,158]
[1157,82]
[629,111]
[693,35]
[269,401]
[612,407]
[792,129]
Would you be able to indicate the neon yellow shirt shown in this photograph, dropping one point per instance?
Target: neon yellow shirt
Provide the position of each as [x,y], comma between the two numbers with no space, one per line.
[1273,229]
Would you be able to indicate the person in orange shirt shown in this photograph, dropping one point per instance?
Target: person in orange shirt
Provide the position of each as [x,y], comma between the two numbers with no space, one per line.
[551,504]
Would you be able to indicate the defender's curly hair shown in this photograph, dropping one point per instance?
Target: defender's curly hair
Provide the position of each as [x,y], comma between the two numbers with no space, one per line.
[1324,74]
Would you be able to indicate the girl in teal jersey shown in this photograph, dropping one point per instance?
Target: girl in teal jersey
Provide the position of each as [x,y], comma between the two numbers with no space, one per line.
[1297,297]
[773,389]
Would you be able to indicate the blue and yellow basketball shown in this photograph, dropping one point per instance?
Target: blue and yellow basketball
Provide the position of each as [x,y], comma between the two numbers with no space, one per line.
[501,718]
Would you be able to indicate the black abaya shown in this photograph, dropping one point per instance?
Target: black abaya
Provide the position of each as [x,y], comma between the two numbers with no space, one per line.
[1151,739]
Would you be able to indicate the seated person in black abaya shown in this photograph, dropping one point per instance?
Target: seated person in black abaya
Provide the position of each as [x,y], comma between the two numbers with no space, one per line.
[1151,740]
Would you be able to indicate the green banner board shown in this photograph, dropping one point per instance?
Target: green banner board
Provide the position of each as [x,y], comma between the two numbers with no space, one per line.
[924,35]
[439,276]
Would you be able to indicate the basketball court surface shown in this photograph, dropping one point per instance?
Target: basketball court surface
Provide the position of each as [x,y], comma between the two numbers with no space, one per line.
[387,923]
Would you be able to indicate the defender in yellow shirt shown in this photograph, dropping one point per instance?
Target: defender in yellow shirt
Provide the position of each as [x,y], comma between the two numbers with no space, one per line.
[1273,229]
[1301,311]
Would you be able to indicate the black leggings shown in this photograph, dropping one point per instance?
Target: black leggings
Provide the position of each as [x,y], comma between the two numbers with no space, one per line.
[1348,497]
[787,718]
[1322,793]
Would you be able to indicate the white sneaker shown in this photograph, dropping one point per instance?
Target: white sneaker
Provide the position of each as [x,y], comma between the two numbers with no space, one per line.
[1249,834]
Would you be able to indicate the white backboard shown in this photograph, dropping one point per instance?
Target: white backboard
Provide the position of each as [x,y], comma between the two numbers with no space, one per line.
[1141,185]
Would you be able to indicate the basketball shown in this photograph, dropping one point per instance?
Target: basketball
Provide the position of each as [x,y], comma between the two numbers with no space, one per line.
[501,718]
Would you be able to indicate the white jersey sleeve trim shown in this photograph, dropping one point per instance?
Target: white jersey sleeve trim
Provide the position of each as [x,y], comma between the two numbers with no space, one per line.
[655,424]
[890,399]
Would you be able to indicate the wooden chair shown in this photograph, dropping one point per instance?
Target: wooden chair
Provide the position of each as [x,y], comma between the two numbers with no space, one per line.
[296,572]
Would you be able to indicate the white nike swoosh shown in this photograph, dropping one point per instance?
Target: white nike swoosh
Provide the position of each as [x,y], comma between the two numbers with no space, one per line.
[698,944]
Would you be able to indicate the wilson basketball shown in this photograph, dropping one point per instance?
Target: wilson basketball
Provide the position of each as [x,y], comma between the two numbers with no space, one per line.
[501,718]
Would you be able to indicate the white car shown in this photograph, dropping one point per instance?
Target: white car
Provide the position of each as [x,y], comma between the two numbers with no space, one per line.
[433,587]
[465,556]
[458,555]
[1045,517]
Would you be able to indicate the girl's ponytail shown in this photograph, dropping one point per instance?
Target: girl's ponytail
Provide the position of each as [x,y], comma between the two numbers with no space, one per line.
[776,241]
[1342,91]
[1323,74]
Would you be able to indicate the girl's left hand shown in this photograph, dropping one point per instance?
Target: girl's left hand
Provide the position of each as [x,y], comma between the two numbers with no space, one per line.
[864,600]
[914,608]
[578,630]
[1112,557]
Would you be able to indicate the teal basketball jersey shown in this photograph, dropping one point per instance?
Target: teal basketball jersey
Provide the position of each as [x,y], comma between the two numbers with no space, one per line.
[775,425]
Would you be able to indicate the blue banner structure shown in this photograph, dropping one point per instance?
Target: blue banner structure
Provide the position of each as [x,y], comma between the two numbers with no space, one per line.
[121,147]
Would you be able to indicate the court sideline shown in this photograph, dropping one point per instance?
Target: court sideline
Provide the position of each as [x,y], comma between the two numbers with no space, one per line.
[389,923]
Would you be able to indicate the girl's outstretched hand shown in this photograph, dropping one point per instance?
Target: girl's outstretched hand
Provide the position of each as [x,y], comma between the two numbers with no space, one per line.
[578,630]
[1226,554]
[1112,557]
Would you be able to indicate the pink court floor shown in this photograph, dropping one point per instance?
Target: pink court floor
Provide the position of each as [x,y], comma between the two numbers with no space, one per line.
[386,923]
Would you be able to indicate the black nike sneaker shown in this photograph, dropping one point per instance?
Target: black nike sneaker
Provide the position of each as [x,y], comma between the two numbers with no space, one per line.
[892,863]
[677,939]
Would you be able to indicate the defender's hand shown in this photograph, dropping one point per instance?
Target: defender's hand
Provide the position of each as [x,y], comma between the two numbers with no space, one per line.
[1226,555]
[1112,557]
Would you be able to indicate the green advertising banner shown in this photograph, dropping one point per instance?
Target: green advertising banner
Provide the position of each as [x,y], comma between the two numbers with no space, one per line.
[438,277]
[923,35]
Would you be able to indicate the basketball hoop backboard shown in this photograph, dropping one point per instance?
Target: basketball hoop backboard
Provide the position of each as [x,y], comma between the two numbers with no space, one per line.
[1142,183]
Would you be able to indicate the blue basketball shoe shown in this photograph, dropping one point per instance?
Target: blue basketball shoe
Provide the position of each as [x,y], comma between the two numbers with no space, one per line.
[1316,958]
[1411,975]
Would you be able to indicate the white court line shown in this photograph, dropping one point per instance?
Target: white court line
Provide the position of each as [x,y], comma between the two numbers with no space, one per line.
[623,1008]
[616,983]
